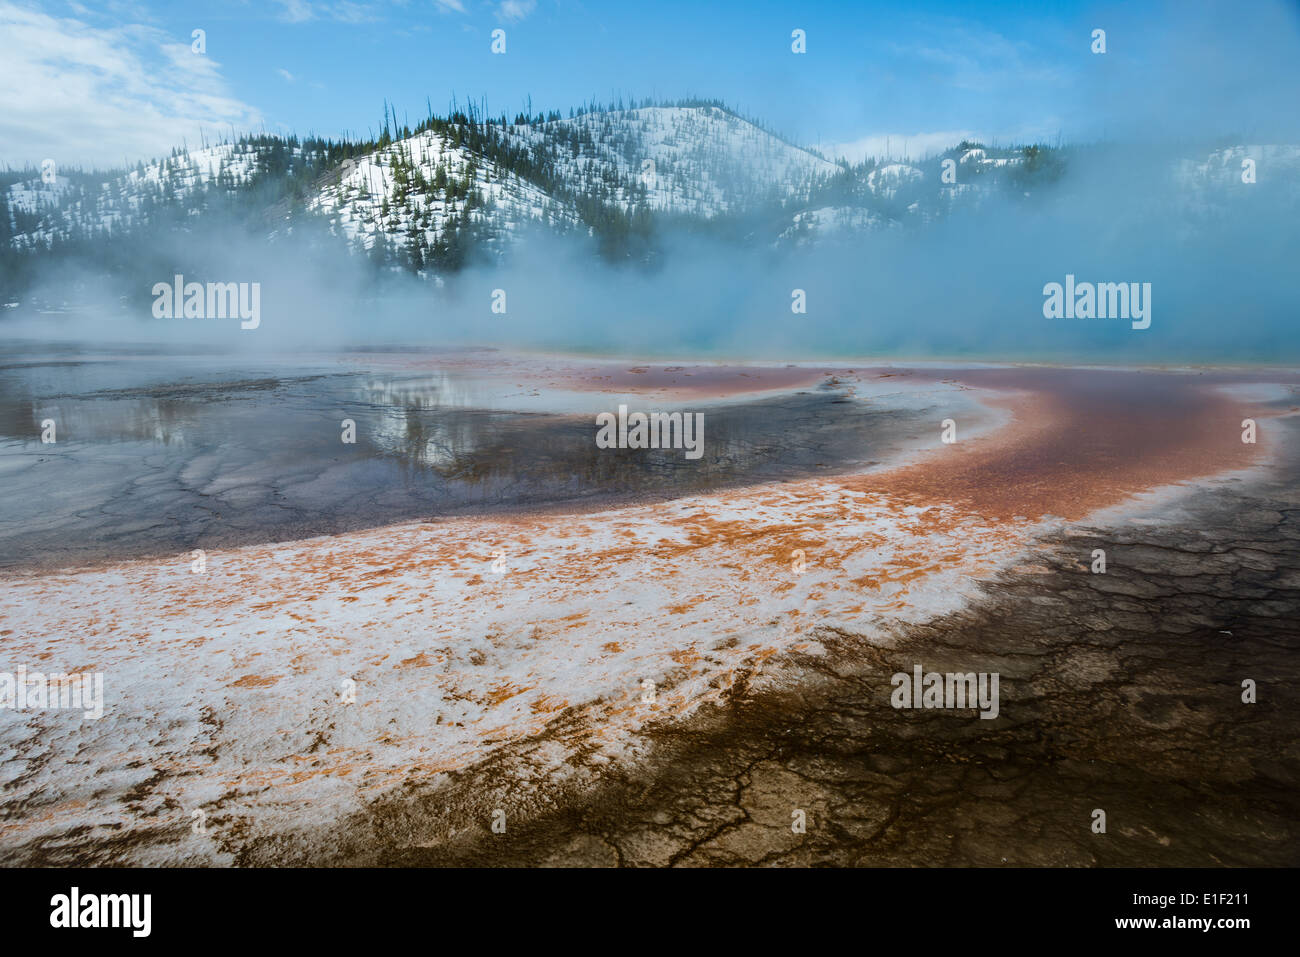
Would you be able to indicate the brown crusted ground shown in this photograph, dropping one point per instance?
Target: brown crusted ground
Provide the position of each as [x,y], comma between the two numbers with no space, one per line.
[1081,440]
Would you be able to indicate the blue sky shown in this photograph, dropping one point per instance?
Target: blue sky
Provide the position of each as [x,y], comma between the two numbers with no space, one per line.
[99,83]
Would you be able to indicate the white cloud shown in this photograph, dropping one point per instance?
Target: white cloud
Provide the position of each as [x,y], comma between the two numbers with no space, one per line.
[969,57]
[515,10]
[296,11]
[287,75]
[344,11]
[91,96]
[449,6]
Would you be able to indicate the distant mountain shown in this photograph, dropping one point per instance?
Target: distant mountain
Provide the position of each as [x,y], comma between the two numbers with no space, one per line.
[454,188]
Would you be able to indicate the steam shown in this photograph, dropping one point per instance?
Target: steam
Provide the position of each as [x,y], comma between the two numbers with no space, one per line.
[1142,207]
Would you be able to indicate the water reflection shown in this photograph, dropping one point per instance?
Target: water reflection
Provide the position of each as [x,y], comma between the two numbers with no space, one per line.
[157,454]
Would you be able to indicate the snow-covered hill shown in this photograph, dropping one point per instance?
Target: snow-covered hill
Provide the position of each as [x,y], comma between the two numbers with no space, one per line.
[424,198]
[1223,169]
[700,161]
[426,187]
[886,180]
[79,205]
[830,222]
[690,161]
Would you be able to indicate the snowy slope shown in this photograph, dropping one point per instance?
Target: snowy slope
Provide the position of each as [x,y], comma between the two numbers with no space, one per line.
[699,161]
[830,222]
[887,180]
[1222,169]
[375,195]
[81,203]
